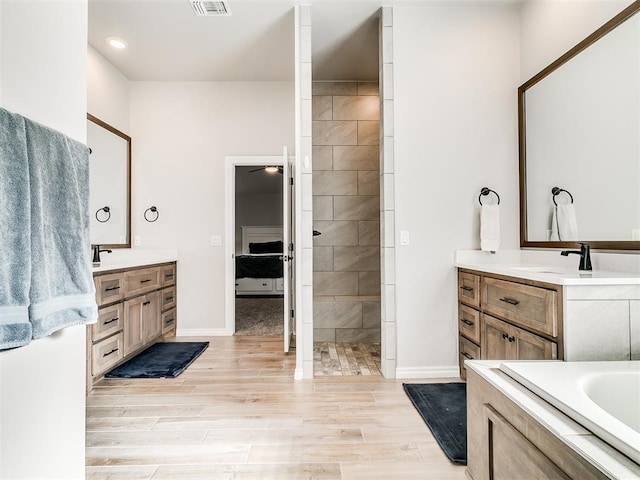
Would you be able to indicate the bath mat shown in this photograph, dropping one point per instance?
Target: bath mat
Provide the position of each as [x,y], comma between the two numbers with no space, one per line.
[443,407]
[161,360]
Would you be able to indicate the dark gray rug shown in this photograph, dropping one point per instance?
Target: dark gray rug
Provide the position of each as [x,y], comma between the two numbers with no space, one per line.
[259,316]
[443,407]
[160,360]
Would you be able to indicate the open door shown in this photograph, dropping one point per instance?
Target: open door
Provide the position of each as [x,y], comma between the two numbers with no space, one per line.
[287,245]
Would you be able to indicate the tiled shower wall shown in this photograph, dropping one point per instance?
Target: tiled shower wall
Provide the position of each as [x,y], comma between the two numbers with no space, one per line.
[346,210]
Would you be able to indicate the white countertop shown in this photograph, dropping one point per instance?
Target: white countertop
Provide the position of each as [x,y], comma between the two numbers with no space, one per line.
[558,273]
[134,257]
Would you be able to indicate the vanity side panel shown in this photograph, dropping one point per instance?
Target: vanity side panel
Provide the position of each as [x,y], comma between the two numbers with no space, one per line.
[597,330]
[634,329]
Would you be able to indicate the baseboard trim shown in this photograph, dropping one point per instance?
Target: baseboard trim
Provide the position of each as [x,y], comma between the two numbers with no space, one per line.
[203,332]
[428,372]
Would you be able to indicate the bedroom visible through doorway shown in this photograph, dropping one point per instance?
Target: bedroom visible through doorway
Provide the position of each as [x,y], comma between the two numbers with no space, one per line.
[259,285]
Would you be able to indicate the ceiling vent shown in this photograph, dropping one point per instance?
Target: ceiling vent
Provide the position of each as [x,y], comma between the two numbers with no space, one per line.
[210,9]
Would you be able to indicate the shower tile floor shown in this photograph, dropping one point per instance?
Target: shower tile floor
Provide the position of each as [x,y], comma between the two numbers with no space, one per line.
[333,359]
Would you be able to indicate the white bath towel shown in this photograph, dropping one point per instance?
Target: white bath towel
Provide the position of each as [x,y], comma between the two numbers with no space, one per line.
[554,235]
[489,228]
[567,223]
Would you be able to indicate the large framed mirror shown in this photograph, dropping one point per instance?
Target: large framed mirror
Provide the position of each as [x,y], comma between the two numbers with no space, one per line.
[579,143]
[110,184]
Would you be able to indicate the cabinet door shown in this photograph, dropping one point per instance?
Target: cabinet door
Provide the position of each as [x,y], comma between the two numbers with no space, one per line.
[495,339]
[512,456]
[528,346]
[151,326]
[133,324]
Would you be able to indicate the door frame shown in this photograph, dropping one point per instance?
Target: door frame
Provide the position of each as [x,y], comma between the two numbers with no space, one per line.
[230,164]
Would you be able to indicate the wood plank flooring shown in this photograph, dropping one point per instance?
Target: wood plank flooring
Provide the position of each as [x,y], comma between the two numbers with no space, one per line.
[236,413]
[346,359]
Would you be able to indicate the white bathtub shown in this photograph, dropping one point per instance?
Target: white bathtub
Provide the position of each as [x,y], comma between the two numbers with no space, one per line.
[604,397]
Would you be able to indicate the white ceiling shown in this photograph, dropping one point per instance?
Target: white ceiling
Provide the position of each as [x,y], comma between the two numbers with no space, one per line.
[167,42]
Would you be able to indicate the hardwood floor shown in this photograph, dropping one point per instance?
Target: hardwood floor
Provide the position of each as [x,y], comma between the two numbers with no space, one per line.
[237,413]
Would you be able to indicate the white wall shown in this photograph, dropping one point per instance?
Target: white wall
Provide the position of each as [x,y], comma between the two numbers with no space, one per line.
[42,385]
[181,133]
[107,92]
[549,28]
[456,71]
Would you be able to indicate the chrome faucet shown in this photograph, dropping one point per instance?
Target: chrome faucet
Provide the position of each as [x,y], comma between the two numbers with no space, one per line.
[585,256]
[96,254]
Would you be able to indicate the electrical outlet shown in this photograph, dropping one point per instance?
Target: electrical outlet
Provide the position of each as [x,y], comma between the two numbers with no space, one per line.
[216,240]
[137,240]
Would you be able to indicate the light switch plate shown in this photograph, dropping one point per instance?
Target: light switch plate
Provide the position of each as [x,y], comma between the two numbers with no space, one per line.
[137,240]
[404,237]
[216,240]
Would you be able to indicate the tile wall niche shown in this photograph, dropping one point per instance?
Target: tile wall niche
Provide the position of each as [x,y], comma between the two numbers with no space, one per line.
[346,210]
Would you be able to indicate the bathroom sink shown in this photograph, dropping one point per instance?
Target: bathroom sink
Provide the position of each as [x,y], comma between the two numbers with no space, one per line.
[541,269]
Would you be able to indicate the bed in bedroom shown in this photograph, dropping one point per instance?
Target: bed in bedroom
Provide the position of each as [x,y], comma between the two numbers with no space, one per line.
[259,266]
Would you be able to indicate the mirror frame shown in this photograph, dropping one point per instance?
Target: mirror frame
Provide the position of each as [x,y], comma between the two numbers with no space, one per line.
[127,138]
[624,15]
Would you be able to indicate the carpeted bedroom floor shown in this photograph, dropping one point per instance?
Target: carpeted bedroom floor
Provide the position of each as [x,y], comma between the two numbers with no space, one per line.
[259,316]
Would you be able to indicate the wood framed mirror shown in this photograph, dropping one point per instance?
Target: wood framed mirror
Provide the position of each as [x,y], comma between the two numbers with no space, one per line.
[110,184]
[579,141]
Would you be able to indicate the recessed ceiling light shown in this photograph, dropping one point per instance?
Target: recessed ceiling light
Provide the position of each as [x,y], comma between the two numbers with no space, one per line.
[116,42]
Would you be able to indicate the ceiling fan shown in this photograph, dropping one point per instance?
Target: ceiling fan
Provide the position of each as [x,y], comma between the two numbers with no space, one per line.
[271,169]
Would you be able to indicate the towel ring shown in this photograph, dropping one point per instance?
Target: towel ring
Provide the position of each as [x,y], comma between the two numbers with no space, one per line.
[154,210]
[557,191]
[486,191]
[106,210]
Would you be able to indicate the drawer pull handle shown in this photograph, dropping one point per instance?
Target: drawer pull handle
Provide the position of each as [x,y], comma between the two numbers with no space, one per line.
[264,284]
[505,335]
[109,353]
[169,320]
[145,281]
[466,355]
[512,339]
[169,299]
[466,288]
[168,275]
[111,289]
[510,301]
[146,303]
[467,322]
[111,321]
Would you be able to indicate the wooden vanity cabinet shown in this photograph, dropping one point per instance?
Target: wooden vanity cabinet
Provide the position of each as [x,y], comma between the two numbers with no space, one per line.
[136,308]
[504,318]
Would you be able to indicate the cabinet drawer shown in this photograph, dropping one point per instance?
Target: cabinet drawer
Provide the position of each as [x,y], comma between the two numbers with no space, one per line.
[279,284]
[468,351]
[254,284]
[469,289]
[531,307]
[168,275]
[110,321]
[469,323]
[168,298]
[168,321]
[106,354]
[141,281]
[109,288]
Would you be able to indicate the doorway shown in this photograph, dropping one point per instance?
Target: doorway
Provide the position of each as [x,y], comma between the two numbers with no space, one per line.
[259,299]
[258,267]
